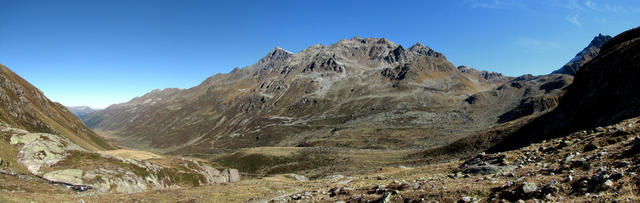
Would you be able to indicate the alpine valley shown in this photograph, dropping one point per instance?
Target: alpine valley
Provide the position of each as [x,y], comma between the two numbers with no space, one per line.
[360,120]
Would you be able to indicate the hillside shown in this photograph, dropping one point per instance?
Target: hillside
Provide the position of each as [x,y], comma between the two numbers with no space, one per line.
[24,106]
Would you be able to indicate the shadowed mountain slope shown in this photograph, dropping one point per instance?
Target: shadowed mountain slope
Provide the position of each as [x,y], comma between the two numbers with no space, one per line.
[604,92]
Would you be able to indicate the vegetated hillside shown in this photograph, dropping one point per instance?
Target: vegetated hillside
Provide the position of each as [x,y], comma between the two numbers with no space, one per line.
[604,92]
[24,106]
[356,93]
[81,111]
[584,56]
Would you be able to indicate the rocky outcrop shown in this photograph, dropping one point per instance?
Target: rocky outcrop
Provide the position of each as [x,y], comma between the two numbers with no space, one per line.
[60,161]
[38,150]
[69,176]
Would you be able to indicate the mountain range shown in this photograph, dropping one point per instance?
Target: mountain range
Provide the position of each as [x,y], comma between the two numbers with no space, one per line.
[356,93]
[81,111]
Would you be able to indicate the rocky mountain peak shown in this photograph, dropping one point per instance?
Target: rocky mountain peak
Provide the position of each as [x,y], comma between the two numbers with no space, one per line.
[589,52]
[275,57]
[599,40]
[420,49]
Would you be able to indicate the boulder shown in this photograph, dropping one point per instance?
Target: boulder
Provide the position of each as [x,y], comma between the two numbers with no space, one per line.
[298,177]
[484,169]
[529,187]
[231,174]
[69,176]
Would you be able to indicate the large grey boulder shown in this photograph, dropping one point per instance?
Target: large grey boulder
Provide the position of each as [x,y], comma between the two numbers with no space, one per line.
[231,174]
[69,176]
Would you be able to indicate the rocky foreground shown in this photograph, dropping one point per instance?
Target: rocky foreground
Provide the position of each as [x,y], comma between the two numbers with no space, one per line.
[55,160]
[600,164]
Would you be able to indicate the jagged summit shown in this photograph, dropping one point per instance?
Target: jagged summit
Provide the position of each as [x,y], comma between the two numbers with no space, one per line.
[276,55]
[589,52]
[424,50]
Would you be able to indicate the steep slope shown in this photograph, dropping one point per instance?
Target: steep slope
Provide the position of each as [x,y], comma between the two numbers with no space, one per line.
[585,55]
[604,92]
[24,106]
[361,93]
[81,111]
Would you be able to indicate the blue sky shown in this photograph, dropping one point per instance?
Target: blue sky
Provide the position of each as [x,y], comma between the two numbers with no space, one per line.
[97,53]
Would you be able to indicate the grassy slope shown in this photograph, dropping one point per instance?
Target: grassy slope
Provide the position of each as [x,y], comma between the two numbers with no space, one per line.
[39,114]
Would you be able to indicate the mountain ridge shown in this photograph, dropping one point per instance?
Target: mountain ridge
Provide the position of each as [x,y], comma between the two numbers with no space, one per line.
[350,87]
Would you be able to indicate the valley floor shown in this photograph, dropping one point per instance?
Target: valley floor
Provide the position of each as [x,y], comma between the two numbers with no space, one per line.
[595,165]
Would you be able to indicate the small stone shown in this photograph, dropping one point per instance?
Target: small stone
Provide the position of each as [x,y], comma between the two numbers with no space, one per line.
[602,153]
[466,199]
[616,176]
[620,164]
[569,158]
[529,187]
[608,184]
[569,178]
[385,198]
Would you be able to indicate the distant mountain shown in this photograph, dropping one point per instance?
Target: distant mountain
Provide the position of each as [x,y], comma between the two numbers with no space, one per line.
[359,93]
[81,111]
[24,106]
[585,55]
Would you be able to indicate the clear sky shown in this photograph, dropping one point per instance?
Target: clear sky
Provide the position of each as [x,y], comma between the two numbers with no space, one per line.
[96,53]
